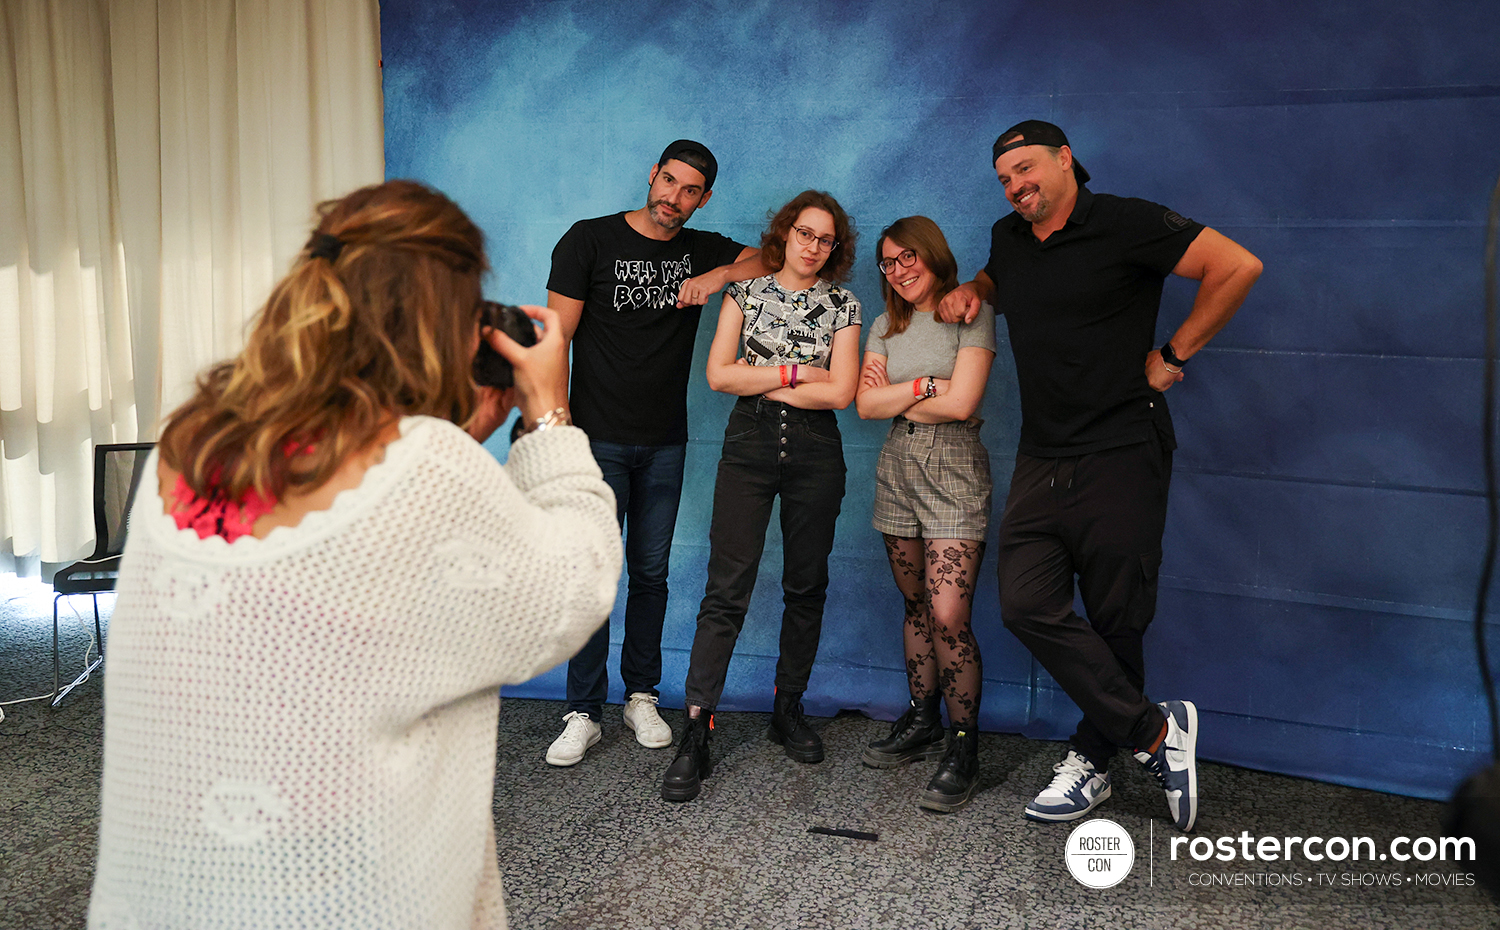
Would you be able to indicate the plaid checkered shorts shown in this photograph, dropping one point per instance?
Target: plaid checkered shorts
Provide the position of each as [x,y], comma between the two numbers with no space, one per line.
[933,480]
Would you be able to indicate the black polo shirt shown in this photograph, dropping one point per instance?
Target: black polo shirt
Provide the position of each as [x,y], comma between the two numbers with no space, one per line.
[1081,308]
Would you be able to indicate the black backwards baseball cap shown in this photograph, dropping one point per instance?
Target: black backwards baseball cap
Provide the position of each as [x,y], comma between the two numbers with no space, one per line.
[1035,132]
[681,147]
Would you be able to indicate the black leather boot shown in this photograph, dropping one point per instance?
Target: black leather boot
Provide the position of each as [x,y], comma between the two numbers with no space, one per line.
[919,734]
[692,764]
[957,775]
[790,729]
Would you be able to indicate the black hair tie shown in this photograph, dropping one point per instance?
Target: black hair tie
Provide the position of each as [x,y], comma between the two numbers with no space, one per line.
[322,245]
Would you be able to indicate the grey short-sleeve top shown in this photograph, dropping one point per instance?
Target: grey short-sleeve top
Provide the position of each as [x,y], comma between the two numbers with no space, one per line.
[929,348]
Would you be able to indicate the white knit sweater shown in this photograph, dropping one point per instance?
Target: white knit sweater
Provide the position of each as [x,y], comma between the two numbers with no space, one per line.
[300,730]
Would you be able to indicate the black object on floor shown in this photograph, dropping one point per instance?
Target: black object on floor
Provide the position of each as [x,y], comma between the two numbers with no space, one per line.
[851,834]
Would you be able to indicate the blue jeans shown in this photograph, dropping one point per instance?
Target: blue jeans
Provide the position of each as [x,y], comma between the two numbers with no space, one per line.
[647,481]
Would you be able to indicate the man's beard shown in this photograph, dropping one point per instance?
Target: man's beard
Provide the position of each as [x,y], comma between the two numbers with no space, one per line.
[671,220]
[1038,209]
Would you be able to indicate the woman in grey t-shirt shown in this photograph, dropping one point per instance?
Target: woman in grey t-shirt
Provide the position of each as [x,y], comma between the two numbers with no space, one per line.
[932,498]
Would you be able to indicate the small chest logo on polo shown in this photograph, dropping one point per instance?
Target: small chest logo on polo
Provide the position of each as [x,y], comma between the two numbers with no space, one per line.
[1099,853]
[650,285]
[1176,221]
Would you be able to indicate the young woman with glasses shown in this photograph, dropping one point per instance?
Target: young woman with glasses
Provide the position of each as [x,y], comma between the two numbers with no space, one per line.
[932,498]
[788,346]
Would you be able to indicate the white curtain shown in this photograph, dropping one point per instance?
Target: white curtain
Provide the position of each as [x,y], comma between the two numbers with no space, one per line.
[159,164]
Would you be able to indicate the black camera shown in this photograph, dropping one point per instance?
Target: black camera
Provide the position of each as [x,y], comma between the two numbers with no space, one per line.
[490,367]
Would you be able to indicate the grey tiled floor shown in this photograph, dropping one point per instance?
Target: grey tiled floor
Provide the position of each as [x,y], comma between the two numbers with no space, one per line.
[594,846]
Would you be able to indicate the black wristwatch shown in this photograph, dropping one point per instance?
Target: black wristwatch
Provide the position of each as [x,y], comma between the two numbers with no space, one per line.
[1170,357]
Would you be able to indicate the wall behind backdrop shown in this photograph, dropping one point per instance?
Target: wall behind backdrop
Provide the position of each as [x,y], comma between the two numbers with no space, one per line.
[1326,522]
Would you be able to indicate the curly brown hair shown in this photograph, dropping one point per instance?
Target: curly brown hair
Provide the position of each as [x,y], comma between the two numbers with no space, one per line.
[380,326]
[923,237]
[779,226]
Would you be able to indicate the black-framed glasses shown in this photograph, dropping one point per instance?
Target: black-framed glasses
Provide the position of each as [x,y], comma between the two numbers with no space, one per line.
[808,237]
[906,259]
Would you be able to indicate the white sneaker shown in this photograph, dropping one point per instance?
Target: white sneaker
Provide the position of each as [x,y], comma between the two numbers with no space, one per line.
[576,738]
[1175,762]
[640,715]
[1076,789]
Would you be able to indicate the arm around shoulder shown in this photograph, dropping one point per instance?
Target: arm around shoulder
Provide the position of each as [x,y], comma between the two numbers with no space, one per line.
[961,305]
[748,265]
[696,291]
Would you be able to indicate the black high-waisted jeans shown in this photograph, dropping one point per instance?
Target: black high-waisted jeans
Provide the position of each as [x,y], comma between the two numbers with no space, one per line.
[769,449]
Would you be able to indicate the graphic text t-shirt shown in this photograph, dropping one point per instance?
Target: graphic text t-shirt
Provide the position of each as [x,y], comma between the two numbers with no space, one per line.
[633,350]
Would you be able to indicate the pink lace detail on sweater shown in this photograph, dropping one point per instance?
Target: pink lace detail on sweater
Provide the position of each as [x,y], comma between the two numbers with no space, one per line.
[229,519]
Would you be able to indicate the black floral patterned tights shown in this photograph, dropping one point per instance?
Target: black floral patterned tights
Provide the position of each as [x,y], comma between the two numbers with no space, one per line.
[936,578]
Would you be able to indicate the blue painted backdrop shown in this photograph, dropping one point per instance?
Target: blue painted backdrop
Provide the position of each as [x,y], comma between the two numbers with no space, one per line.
[1326,518]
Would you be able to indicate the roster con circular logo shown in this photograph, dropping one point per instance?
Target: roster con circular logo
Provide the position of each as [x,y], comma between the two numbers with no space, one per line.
[1099,853]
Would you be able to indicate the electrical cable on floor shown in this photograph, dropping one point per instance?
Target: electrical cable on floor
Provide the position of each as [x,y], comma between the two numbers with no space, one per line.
[87,653]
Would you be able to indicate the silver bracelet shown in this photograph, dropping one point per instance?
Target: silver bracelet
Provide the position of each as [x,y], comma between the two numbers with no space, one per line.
[556,417]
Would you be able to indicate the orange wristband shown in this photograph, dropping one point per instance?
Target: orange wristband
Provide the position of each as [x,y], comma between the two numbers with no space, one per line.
[783,376]
[916,388]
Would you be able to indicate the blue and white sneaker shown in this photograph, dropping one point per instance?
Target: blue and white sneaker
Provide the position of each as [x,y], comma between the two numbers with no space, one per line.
[1076,789]
[1175,762]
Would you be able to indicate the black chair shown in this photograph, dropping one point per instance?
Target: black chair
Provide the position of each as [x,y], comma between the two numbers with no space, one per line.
[117,475]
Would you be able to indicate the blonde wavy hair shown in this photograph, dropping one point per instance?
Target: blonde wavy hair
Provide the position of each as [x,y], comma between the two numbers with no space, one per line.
[376,320]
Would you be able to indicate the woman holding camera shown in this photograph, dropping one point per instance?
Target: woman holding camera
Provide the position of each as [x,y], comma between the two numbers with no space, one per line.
[328,584]
[932,499]
[788,346]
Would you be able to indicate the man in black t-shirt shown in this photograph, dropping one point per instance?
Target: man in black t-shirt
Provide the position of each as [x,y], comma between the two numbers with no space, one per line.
[629,288]
[1079,277]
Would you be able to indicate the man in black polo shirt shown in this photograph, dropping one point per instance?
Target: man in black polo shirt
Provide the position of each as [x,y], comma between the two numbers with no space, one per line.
[1079,276]
[629,289]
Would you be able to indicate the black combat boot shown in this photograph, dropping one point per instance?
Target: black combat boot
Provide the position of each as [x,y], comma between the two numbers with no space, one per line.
[919,734]
[692,764]
[790,729]
[957,775]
